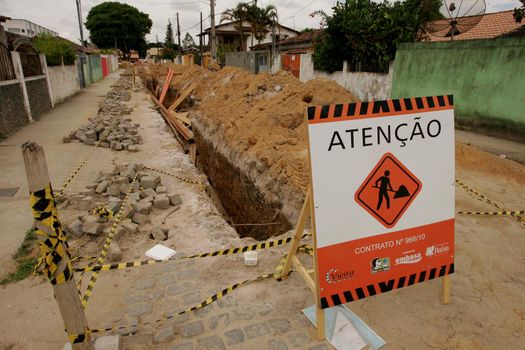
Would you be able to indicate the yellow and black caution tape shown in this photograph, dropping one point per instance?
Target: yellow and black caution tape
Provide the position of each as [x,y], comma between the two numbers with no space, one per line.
[53,246]
[80,338]
[193,182]
[103,212]
[111,234]
[222,252]
[495,213]
[487,200]
[77,169]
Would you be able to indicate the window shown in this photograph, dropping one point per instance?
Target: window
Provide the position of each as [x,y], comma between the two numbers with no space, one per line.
[228,39]
[13,30]
[23,30]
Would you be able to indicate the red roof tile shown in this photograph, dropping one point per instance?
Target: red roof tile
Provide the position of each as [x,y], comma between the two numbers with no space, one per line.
[491,25]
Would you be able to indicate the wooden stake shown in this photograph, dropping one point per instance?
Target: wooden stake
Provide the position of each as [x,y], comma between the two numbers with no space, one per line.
[166,86]
[446,289]
[182,97]
[321,334]
[66,294]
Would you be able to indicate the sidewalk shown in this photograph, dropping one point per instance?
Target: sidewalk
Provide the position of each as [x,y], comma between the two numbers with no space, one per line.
[506,149]
[48,132]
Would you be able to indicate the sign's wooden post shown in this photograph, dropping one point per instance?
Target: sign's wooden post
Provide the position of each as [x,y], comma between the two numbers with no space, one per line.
[57,265]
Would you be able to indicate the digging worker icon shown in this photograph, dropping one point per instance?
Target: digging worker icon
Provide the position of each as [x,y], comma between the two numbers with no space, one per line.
[384,187]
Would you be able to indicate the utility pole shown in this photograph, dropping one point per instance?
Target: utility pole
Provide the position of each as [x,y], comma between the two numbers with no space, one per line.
[83,56]
[178,35]
[157,43]
[200,41]
[213,39]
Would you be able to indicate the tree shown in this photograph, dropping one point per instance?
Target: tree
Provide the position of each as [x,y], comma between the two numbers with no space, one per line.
[261,20]
[238,14]
[111,22]
[366,33]
[169,42]
[519,13]
[188,41]
[57,50]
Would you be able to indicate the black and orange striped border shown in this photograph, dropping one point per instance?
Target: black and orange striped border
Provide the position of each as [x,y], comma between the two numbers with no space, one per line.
[383,108]
[385,286]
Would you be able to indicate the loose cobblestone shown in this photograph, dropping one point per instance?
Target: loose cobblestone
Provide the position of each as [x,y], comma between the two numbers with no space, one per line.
[298,339]
[165,334]
[276,344]
[279,326]
[145,283]
[219,320]
[141,309]
[183,346]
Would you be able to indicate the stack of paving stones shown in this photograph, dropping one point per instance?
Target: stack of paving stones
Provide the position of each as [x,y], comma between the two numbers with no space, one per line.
[148,196]
[109,126]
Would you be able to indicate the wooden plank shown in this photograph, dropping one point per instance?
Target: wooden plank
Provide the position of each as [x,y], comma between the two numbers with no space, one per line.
[66,293]
[166,86]
[302,271]
[182,97]
[186,133]
[193,153]
[183,117]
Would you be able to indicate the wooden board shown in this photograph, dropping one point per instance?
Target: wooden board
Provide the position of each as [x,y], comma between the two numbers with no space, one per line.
[182,97]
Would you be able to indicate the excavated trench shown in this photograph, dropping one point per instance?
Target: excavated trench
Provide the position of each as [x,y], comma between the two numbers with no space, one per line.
[235,192]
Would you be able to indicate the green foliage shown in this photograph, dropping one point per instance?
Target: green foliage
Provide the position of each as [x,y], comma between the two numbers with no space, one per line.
[307,30]
[188,41]
[519,13]
[113,21]
[222,50]
[25,261]
[169,42]
[56,49]
[366,33]
[168,53]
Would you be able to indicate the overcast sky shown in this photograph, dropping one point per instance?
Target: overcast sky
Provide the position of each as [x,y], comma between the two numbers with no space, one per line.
[61,16]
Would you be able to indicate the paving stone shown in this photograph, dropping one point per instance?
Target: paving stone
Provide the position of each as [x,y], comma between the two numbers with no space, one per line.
[243,315]
[183,346]
[141,309]
[320,347]
[175,199]
[227,302]
[211,343]
[75,227]
[161,190]
[279,325]
[256,330]
[177,289]
[102,187]
[202,312]
[161,202]
[140,218]
[143,207]
[298,339]
[144,283]
[216,321]
[276,344]
[114,252]
[129,226]
[235,336]
[192,329]
[113,190]
[134,196]
[148,193]
[192,298]
[137,339]
[150,181]
[164,334]
[92,228]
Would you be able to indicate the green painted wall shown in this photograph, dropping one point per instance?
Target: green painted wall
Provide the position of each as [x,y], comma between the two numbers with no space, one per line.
[95,65]
[486,77]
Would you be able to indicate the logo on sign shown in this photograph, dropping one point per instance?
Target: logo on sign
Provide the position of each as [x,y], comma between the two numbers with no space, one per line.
[334,276]
[388,190]
[410,257]
[380,264]
[437,250]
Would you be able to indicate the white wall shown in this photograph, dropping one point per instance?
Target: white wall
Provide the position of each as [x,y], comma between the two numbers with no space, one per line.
[268,38]
[64,82]
[364,86]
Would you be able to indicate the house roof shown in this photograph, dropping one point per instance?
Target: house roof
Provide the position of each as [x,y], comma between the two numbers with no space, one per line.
[306,38]
[244,28]
[491,25]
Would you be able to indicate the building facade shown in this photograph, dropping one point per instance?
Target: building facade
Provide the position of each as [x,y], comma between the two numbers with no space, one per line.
[25,28]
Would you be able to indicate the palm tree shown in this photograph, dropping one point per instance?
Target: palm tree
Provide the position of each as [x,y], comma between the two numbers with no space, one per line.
[237,14]
[261,19]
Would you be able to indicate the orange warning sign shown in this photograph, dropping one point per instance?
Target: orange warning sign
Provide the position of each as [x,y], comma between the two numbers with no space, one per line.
[388,190]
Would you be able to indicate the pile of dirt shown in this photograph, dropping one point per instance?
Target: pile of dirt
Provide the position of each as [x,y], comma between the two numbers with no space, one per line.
[259,123]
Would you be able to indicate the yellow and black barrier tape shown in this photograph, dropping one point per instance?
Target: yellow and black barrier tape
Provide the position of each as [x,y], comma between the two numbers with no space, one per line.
[80,338]
[487,200]
[77,169]
[193,182]
[222,252]
[109,238]
[495,213]
[103,212]
[53,246]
